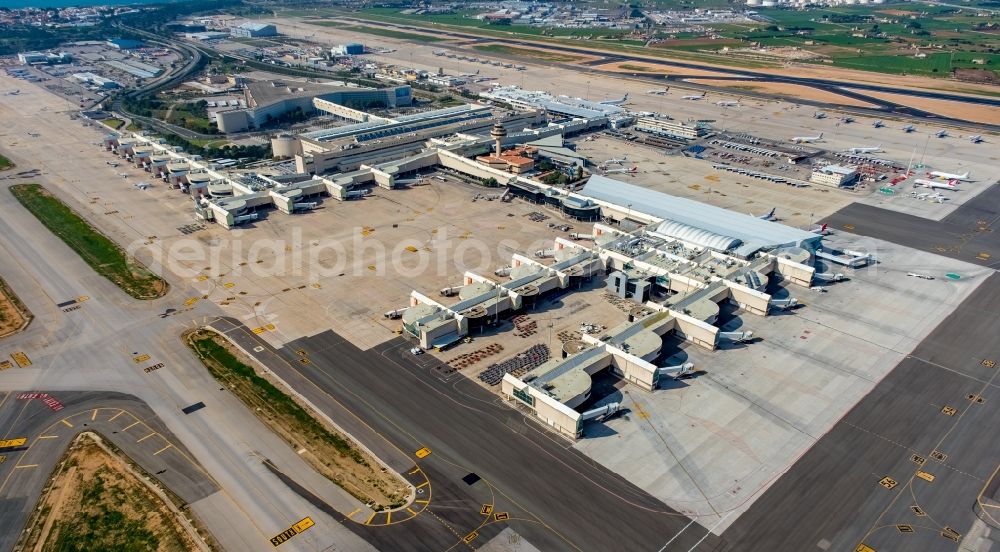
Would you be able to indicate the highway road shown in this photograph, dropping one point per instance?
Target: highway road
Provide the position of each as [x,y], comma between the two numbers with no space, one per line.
[558,499]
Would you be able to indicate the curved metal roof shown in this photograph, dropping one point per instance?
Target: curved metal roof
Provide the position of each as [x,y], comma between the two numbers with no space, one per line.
[697,236]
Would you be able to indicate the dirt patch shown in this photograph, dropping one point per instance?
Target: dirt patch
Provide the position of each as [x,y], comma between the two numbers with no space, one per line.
[332,454]
[793,90]
[13,314]
[946,108]
[96,502]
[847,76]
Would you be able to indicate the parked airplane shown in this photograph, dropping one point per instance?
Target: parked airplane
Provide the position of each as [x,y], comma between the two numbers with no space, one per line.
[694,96]
[976,139]
[941,133]
[822,230]
[847,120]
[768,216]
[807,139]
[123,175]
[909,128]
[862,149]
[616,102]
[14,92]
[878,124]
[819,115]
[616,161]
[111,163]
[622,170]
[949,176]
[141,185]
[470,74]
[658,91]
[728,103]
[937,185]
[33,134]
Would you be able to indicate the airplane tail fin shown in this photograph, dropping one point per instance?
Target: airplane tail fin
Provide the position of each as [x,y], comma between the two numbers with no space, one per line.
[771,213]
[822,229]
[820,134]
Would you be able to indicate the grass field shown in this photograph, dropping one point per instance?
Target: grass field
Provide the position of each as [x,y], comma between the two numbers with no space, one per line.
[329,452]
[102,254]
[526,52]
[5,163]
[113,123]
[380,32]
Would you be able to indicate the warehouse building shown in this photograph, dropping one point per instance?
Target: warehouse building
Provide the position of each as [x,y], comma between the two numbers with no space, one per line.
[253,30]
[834,175]
[665,126]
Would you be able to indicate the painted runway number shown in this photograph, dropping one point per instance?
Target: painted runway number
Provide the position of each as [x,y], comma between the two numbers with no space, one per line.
[887,482]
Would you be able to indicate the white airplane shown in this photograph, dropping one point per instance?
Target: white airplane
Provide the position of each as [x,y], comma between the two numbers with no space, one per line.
[819,115]
[976,139]
[622,170]
[112,164]
[909,128]
[694,96]
[616,161]
[937,185]
[658,91]
[470,74]
[728,103]
[141,185]
[872,149]
[941,133]
[807,139]
[822,230]
[616,102]
[878,124]
[949,176]
[14,92]
[33,134]
[123,175]
[768,216]
[847,120]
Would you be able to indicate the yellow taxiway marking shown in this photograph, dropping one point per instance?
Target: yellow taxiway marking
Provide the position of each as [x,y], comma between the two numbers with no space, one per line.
[135,423]
[388,516]
[120,412]
[370,518]
[66,422]
[94,415]
[421,501]
[47,436]
[423,484]
[925,476]
[356,510]
[162,449]
[412,513]
[25,466]
[146,437]
[416,470]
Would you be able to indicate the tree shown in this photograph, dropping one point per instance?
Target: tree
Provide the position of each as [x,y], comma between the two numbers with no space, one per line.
[491,182]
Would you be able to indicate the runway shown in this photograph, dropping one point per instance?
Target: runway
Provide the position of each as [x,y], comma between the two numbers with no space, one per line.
[397,404]
[966,234]
[833,86]
[122,419]
[904,468]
